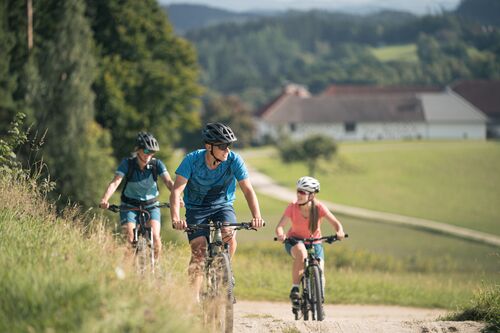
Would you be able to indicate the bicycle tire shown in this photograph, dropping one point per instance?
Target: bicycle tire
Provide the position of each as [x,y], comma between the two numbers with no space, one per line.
[144,253]
[141,255]
[150,250]
[219,305]
[305,297]
[316,294]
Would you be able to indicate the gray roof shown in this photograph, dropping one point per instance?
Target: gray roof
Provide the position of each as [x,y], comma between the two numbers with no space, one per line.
[346,108]
[449,107]
[389,107]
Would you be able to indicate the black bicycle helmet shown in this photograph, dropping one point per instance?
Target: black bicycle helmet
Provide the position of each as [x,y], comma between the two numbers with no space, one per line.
[218,132]
[147,141]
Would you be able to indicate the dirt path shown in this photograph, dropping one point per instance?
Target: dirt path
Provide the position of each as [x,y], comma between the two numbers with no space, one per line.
[277,317]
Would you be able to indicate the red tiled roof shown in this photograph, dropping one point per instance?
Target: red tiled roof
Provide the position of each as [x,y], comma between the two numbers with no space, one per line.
[483,94]
[350,89]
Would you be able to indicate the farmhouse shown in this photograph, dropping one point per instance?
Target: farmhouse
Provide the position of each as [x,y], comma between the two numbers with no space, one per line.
[372,113]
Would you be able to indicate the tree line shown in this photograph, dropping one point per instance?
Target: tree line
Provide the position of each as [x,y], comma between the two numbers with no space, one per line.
[96,73]
[254,59]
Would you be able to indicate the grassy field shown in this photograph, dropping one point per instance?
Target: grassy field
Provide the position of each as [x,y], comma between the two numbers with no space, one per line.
[70,275]
[405,52]
[379,263]
[383,263]
[453,182]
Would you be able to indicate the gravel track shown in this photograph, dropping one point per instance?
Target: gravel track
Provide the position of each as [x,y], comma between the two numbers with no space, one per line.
[277,317]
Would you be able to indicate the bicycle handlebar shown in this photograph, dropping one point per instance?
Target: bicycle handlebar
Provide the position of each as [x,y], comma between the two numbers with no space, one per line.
[329,239]
[218,225]
[118,208]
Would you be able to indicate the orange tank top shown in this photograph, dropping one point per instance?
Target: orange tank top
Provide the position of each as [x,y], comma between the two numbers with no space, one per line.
[300,224]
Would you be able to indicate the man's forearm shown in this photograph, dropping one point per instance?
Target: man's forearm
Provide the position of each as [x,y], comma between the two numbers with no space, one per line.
[253,204]
[174,205]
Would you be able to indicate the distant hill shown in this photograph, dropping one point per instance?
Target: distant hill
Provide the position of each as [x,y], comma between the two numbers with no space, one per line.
[482,11]
[186,17]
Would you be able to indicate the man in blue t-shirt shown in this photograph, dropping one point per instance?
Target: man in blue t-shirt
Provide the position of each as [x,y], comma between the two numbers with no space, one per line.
[208,179]
[140,188]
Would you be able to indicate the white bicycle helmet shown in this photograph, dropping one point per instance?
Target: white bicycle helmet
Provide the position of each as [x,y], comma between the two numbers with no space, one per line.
[308,184]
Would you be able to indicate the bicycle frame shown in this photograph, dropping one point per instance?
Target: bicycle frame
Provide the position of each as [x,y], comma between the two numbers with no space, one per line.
[312,288]
[217,294]
[143,241]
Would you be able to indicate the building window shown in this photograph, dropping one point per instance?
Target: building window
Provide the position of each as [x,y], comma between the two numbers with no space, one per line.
[350,127]
[293,127]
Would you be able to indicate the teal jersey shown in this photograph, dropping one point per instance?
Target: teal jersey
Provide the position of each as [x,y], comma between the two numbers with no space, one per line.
[208,188]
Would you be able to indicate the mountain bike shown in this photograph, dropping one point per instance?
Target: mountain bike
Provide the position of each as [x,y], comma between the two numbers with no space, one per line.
[217,297]
[143,242]
[311,283]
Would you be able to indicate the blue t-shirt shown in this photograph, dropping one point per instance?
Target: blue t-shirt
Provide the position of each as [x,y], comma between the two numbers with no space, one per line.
[141,185]
[208,188]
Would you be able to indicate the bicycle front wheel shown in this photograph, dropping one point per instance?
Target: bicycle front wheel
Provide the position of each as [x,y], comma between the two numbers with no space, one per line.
[316,296]
[219,302]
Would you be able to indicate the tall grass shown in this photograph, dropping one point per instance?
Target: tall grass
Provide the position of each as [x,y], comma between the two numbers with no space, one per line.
[485,306]
[263,271]
[68,273]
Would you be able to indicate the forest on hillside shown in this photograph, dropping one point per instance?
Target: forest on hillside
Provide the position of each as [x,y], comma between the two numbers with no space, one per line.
[89,75]
[254,59]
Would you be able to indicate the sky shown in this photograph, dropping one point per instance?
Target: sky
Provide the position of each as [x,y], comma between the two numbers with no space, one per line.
[414,6]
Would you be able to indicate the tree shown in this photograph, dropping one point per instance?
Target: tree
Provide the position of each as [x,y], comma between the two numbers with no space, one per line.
[231,111]
[310,151]
[76,150]
[147,76]
[7,80]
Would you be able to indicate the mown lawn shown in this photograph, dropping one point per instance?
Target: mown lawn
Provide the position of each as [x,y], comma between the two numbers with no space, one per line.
[453,182]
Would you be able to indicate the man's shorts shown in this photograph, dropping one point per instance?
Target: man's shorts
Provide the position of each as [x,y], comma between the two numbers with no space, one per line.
[132,216]
[197,216]
[318,249]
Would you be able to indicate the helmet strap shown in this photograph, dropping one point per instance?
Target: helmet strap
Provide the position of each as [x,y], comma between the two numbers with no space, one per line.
[212,153]
[309,199]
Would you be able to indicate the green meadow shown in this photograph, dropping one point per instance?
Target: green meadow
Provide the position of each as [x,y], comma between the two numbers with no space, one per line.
[379,263]
[405,52]
[453,182]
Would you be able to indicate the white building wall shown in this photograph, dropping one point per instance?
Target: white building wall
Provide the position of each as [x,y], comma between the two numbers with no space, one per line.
[364,131]
[377,131]
[457,131]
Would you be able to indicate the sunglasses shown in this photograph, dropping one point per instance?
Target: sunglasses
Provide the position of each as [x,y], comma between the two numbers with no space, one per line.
[223,146]
[302,192]
[148,151]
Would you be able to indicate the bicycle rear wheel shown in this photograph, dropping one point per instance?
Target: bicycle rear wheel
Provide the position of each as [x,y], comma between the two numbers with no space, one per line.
[316,294]
[144,254]
[219,301]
